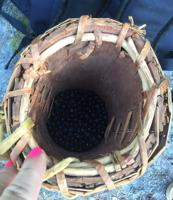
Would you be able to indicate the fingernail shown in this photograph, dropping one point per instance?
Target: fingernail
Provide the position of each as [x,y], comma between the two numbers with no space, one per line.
[9,163]
[36,152]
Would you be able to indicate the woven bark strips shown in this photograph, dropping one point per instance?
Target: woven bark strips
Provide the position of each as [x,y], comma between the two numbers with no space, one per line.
[71,176]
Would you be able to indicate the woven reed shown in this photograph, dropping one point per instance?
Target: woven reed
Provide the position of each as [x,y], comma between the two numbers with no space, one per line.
[71,176]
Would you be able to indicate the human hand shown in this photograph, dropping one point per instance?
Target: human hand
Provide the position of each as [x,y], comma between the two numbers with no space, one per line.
[25,184]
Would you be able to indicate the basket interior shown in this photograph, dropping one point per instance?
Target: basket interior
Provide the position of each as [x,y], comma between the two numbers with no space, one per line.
[110,79]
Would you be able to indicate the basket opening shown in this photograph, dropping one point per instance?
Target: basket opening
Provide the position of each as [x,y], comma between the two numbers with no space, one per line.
[103,77]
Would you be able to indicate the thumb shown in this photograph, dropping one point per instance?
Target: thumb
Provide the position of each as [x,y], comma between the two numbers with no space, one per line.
[7,174]
[27,184]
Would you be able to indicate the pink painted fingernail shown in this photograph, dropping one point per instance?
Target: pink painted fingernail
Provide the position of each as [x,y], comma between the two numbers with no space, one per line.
[36,152]
[9,163]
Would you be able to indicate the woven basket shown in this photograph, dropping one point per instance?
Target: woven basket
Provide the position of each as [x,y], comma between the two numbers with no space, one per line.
[117,62]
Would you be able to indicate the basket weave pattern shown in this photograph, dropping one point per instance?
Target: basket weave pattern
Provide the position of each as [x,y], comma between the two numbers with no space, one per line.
[71,176]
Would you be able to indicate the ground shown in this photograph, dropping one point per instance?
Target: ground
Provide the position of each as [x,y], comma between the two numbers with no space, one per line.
[151,186]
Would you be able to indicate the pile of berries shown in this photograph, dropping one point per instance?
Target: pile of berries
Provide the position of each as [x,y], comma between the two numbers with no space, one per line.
[78,120]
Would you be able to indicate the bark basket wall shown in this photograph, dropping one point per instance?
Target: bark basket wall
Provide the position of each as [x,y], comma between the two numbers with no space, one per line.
[115,61]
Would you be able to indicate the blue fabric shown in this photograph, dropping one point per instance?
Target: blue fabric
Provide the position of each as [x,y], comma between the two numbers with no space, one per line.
[43,14]
[167,63]
[75,9]
[112,9]
[24,6]
[155,14]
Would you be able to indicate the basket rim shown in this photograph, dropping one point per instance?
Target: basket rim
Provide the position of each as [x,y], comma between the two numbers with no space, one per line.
[150,87]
